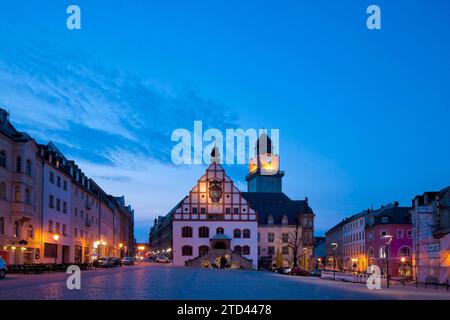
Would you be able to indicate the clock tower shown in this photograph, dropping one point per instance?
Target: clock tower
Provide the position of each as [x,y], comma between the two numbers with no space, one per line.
[265,174]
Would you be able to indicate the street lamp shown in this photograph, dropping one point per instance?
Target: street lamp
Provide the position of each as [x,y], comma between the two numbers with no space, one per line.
[121,249]
[388,239]
[335,245]
[56,238]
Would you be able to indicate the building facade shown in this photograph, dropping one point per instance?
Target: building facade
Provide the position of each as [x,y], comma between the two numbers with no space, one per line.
[389,240]
[50,211]
[353,243]
[431,236]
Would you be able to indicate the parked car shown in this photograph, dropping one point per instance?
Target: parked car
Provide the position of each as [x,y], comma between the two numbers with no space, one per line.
[3,268]
[297,271]
[284,270]
[128,261]
[162,259]
[104,263]
[116,262]
[315,273]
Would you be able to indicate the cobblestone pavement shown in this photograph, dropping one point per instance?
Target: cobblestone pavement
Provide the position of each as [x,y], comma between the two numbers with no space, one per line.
[157,281]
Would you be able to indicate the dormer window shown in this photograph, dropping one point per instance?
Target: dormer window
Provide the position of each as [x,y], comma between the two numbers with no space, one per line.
[269,219]
[384,219]
[284,220]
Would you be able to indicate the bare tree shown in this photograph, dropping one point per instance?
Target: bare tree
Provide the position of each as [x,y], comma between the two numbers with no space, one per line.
[295,241]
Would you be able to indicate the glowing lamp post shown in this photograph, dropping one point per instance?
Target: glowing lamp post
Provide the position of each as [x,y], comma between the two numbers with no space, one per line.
[56,238]
[121,249]
[388,239]
[335,246]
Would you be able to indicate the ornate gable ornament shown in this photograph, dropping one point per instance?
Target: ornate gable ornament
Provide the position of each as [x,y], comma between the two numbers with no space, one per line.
[215,191]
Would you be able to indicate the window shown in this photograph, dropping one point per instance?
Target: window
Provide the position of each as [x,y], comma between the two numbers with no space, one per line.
[236,233]
[50,250]
[75,232]
[271,251]
[203,210]
[76,212]
[28,168]
[58,204]
[284,220]
[270,237]
[81,233]
[19,165]
[235,210]
[219,230]
[285,250]
[269,219]
[246,233]
[64,231]
[186,251]
[30,232]
[2,225]
[203,232]
[58,182]
[399,234]
[285,237]
[16,229]
[383,233]
[404,252]
[3,159]
[370,253]
[186,232]
[384,219]
[17,194]
[409,232]
[27,196]
[64,207]
[194,210]
[203,250]
[383,252]
[2,191]
[228,210]
[82,214]
[58,228]
[237,249]
[65,185]
[245,250]
[52,177]
[50,226]
[259,236]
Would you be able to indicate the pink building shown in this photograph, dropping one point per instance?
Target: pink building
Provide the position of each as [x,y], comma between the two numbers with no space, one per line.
[389,238]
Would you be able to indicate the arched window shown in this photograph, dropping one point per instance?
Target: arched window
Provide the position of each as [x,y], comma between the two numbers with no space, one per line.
[2,225]
[219,230]
[186,232]
[284,220]
[30,231]
[186,251]
[3,159]
[237,233]
[370,253]
[203,232]
[27,196]
[246,233]
[17,194]
[28,168]
[3,191]
[238,250]
[269,219]
[383,252]
[19,165]
[404,251]
[203,250]
[246,250]
[16,229]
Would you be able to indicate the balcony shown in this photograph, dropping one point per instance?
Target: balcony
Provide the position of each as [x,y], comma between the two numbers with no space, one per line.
[22,209]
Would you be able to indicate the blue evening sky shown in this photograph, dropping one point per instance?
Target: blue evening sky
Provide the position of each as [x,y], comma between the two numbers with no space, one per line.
[363,115]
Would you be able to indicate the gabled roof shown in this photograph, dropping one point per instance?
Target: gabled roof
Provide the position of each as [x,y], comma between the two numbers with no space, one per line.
[396,214]
[276,204]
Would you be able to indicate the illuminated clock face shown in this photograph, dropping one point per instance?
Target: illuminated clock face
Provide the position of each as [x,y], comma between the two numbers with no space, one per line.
[268,159]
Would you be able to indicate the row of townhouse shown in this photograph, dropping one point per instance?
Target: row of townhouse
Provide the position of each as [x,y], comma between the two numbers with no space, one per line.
[369,238]
[50,211]
[410,241]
